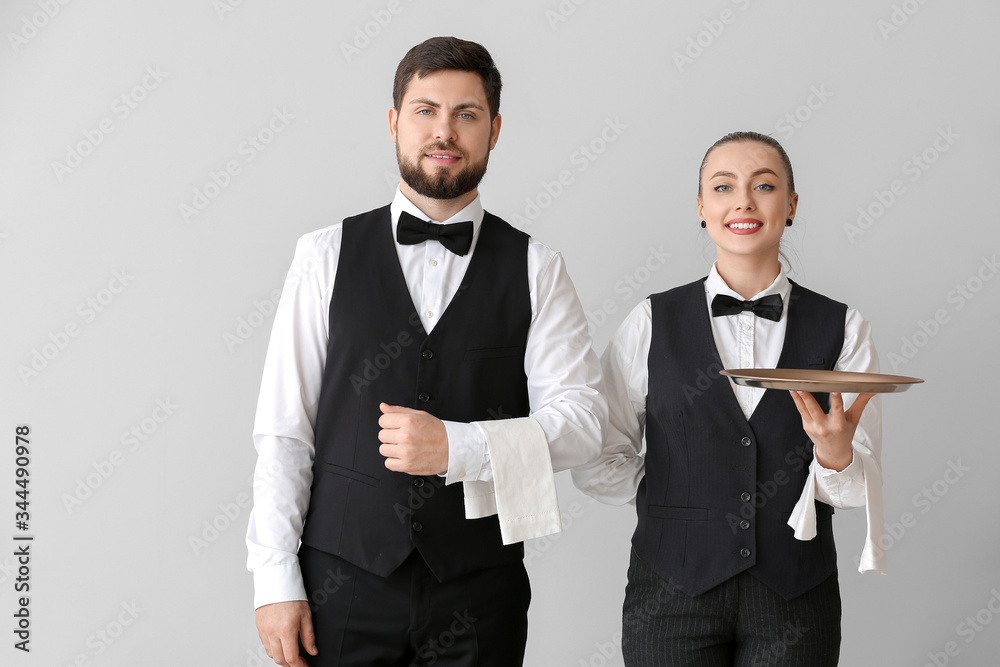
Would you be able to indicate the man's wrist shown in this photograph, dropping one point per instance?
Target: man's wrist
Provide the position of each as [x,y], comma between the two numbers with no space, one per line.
[278,583]
[467,452]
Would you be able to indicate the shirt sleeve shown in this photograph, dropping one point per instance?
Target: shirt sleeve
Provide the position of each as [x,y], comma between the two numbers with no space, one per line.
[468,456]
[283,431]
[564,372]
[614,477]
[860,483]
[846,488]
[564,379]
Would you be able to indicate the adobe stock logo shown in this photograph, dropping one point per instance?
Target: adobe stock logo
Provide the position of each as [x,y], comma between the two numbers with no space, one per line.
[914,167]
[628,286]
[900,16]
[698,44]
[794,120]
[31,26]
[959,297]
[88,310]
[562,12]
[138,434]
[968,630]
[582,158]
[248,149]
[105,636]
[252,321]
[224,7]
[365,34]
[121,108]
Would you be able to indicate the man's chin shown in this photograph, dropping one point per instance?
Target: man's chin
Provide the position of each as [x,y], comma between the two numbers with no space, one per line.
[439,190]
[442,182]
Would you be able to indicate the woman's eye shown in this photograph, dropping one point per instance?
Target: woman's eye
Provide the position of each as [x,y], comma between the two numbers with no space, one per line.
[722,188]
[765,186]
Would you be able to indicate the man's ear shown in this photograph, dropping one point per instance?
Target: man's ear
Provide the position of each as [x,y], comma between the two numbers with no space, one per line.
[494,131]
[393,120]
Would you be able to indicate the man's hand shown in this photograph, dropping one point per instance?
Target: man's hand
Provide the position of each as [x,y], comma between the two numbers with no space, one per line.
[279,626]
[833,434]
[413,441]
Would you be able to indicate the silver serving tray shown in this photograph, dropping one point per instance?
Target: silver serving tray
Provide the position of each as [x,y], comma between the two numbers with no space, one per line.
[814,380]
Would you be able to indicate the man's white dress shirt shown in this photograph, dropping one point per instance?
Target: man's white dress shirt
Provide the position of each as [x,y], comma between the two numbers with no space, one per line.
[743,341]
[505,465]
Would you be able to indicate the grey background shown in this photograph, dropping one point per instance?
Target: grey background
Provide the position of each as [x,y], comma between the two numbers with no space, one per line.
[880,95]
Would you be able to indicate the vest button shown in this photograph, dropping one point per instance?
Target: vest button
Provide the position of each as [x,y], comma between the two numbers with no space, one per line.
[427,354]
[417,527]
[423,397]
[745,441]
[745,496]
[745,552]
[744,524]
[418,482]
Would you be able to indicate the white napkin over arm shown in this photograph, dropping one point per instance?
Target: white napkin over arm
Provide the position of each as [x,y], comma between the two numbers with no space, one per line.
[523,491]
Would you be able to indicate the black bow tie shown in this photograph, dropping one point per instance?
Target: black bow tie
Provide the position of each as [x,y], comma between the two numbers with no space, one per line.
[456,237]
[768,307]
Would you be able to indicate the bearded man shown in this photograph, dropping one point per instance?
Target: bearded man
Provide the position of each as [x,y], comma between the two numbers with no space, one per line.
[429,369]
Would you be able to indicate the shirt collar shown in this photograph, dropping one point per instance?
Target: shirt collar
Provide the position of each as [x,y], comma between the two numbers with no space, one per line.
[473,212]
[715,285]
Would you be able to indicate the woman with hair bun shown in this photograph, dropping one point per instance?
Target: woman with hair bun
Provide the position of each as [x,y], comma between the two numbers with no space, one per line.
[733,560]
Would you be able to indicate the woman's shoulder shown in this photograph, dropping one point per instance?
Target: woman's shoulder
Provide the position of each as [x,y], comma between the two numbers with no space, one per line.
[694,287]
[798,292]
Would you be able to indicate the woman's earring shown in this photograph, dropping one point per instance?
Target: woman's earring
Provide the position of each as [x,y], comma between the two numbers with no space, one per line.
[703,224]
[788,223]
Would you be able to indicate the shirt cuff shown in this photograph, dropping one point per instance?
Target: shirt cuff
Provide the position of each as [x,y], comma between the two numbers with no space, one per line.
[278,583]
[841,488]
[468,455]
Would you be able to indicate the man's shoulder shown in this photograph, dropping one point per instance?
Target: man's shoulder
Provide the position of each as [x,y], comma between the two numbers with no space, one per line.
[329,238]
[543,253]
[324,239]
[542,256]
[503,224]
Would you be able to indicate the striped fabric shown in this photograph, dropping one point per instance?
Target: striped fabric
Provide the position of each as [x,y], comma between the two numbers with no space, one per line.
[740,623]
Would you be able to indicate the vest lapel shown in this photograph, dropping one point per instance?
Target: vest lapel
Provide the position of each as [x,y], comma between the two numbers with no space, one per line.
[392,283]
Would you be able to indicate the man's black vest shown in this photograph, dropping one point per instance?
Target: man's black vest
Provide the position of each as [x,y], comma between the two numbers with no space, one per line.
[469,368]
[718,488]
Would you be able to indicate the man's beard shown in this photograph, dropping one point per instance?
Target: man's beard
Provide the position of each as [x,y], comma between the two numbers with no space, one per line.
[441,184]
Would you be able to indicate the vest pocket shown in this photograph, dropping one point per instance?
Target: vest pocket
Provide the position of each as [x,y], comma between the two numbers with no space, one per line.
[680,513]
[351,474]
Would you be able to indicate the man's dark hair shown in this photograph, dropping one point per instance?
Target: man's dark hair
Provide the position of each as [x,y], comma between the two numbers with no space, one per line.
[441,53]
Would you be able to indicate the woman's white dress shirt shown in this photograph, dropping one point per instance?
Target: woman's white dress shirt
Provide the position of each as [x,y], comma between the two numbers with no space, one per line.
[743,341]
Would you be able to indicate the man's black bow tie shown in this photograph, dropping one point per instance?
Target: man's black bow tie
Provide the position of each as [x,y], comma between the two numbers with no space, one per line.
[768,307]
[456,237]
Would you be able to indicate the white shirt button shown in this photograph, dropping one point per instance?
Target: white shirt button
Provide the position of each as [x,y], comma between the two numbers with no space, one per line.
[429,313]
[434,262]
